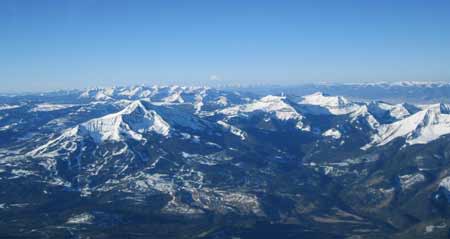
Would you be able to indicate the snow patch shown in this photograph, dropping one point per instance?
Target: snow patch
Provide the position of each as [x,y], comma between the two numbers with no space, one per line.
[45,107]
[333,133]
[409,180]
[83,218]
[234,130]
[8,107]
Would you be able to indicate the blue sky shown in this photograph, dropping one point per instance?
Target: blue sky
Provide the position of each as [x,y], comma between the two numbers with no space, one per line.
[51,44]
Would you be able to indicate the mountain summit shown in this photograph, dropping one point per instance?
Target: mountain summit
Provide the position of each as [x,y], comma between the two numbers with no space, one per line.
[132,122]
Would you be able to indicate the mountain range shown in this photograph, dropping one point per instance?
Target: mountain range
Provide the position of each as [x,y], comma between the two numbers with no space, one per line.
[201,162]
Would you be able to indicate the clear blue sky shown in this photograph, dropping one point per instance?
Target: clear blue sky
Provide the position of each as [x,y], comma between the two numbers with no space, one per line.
[82,43]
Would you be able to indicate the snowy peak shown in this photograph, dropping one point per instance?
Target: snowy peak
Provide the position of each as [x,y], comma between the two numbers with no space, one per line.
[131,122]
[362,113]
[136,92]
[336,105]
[100,94]
[322,99]
[275,105]
[389,112]
[142,120]
[272,98]
[420,128]
[165,94]
[174,97]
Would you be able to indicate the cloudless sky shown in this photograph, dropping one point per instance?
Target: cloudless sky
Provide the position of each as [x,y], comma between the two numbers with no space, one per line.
[51,44]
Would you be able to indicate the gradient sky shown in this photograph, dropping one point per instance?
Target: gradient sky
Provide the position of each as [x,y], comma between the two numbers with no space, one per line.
[55,44]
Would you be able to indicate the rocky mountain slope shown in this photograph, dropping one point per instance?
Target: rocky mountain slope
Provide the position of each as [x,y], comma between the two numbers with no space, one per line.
[119,161]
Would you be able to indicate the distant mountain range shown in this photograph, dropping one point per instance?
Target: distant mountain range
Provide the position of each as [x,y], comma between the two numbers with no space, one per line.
[200,162]
[395,92]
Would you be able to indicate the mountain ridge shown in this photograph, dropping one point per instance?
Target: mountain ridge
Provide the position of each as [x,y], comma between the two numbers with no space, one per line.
[228,155]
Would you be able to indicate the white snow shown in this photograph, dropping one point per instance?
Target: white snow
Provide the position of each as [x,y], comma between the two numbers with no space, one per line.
[131,92]
[198,104]
[402,83]
[445,183]
[131,122]
[420,128]
[430,228]
[363,113]
[188,155]
[9,126]
[83,218]
[213,144]
[397,111]
[333,133]
[46,150]
[8,107]
[222,100]
[44,107]
[22,173]
[336,105]
[101,96]
[174,98]
[269,104]
[145,182]
[121,151]
[106,94]
[185,135]
[234,130]
[409,180]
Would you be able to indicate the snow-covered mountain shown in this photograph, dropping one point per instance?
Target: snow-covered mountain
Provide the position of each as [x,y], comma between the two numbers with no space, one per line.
[336,105]
[391,112]
[164,94]
[420,128]
[363,114]
[130,122]
[395,92]
[124,155]
[275,106]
